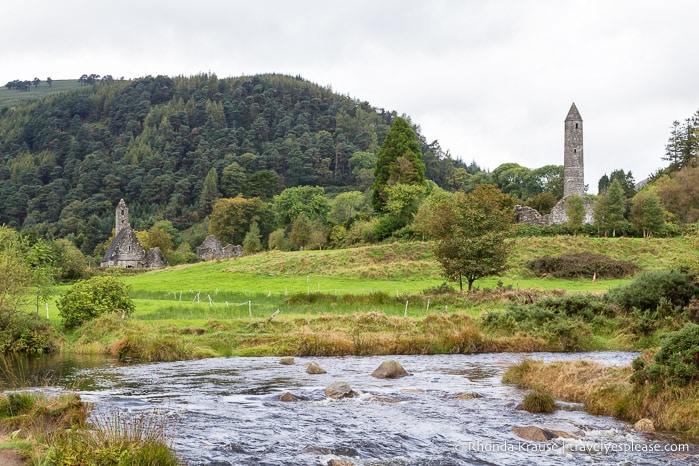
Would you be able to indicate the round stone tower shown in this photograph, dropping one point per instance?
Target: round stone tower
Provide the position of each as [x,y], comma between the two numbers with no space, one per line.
[122,217]
[573,169]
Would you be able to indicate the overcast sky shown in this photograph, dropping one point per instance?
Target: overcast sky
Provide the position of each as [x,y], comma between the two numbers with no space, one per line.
[491,80]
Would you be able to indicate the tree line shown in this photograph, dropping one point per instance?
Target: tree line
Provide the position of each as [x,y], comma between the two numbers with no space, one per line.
[20,85]
[180,149]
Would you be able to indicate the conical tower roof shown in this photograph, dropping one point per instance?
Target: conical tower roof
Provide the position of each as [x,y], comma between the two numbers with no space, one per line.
[573,114]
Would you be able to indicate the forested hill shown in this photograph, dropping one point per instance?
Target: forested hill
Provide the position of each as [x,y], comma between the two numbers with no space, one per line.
[66,160]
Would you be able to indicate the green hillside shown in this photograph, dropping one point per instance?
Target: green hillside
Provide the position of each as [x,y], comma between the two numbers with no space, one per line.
[66,159]
[403,267]
[11,98]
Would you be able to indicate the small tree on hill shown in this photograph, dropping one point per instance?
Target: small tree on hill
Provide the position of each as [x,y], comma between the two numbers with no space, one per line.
[470,232]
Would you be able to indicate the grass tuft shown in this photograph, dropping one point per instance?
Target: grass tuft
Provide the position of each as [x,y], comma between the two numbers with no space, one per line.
[539,400]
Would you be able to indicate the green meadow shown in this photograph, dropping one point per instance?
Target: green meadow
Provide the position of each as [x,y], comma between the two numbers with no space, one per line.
[388,298]
[260,284]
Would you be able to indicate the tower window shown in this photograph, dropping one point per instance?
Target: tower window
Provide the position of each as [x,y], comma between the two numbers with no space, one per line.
[122,210]
[575,151]
[576,126]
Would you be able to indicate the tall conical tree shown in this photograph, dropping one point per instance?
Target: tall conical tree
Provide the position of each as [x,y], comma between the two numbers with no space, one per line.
[399,160]
[209,193]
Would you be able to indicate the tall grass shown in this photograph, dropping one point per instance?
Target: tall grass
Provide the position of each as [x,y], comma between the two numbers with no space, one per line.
[606,390]
[116,439]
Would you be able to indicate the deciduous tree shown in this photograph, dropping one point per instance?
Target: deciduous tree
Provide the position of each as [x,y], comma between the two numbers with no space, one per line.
[647,213]
[470,232]
[575,210]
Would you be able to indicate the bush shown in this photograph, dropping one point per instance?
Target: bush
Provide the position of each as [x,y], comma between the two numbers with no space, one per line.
[23,333]
[563,321]
[675,364]
[666,292]
[88,299]
[581,265]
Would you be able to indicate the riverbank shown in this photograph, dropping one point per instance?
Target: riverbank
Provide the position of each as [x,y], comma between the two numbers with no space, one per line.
[361,333]
[51,427]
[608,391]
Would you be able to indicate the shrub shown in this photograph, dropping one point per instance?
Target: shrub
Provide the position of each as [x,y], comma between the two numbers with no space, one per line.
[23,333]
[88,299]
[442,289]
[580,265]
[675,364]
[662,291]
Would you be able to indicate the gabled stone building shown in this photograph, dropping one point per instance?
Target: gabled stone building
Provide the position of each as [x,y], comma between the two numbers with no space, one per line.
[126,250]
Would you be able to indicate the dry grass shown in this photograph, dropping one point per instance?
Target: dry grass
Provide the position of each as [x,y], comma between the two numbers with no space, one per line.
[606,390]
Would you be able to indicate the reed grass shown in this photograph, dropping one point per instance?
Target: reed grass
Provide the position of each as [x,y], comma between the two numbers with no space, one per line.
[606,390]
[116,439]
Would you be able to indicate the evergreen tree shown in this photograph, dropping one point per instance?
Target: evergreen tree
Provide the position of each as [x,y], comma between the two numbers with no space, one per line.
[252,242]
[398,161]
[209,193]
[609,210]
[682,149]
[603,184]
[575,210]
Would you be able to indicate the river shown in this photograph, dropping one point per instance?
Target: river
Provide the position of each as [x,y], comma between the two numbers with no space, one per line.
[226,411]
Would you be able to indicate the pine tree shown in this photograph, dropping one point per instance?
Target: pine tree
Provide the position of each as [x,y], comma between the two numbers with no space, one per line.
[399,160]
[252,242]
[209,193]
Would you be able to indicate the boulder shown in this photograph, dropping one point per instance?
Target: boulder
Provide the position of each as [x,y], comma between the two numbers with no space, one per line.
[340,463]
[644,425]
[534,434]
[467,396]
[340,389]
[288,396]
[389,369]
[314,368]
[287,361]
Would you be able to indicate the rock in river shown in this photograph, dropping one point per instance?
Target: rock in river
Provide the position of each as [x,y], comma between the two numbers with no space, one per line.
[534,434]
[314,368]
[340,389]
[389,369]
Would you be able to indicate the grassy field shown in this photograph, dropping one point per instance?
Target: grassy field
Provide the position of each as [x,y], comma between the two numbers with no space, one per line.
[224,307]
[12,97]
[260,284]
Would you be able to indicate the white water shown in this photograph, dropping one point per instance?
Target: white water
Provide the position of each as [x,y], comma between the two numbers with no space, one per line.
[225,411]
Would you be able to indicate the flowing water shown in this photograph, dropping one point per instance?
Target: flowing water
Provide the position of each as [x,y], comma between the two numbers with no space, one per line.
[226,411]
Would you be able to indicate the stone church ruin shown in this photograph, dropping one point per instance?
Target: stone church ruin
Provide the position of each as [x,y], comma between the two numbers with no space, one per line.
[573,178]
[126,250]
[212,249]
